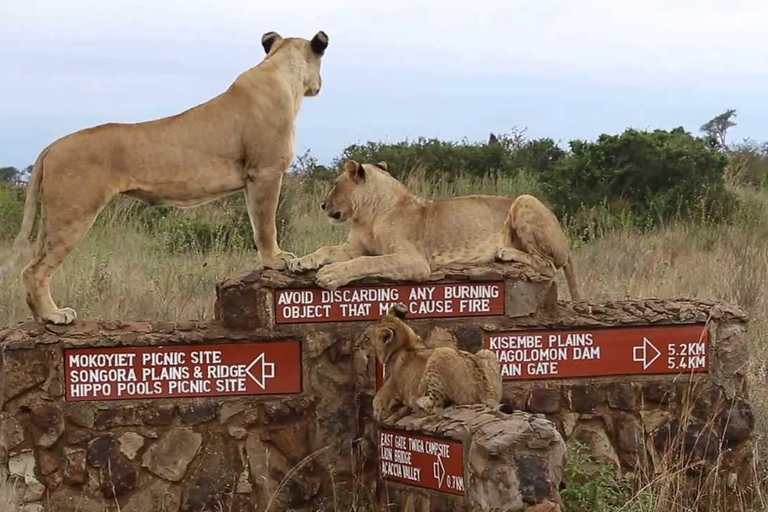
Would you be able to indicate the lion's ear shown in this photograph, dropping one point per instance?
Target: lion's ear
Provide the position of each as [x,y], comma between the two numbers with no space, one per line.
[269,39]
[355,170]
[386,335]
[382,165]
[398,310]
[319,43]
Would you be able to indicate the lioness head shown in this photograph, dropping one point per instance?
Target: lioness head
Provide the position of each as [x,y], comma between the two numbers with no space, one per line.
[308,52]
[356,187]
[391,334]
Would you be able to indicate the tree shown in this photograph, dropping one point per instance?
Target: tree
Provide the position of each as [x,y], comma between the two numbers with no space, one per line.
[9,174]
[717,128]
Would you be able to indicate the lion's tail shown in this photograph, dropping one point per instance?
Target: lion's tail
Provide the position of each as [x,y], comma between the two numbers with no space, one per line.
[21,243]
[570,277]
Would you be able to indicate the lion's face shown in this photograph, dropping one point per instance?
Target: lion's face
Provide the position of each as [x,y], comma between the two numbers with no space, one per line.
[310,51]
[356,186]
[389,334]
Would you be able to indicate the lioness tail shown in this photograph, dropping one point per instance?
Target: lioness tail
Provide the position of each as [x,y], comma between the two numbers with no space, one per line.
[21,243]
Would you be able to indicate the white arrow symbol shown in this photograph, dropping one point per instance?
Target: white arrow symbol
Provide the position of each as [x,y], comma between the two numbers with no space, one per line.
[438,471]
[265,371]
[644,350]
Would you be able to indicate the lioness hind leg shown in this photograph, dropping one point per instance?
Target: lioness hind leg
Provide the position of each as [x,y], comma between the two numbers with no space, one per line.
[533,237]
[57,237]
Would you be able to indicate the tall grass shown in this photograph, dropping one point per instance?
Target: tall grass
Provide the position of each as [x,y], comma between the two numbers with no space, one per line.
[127,269]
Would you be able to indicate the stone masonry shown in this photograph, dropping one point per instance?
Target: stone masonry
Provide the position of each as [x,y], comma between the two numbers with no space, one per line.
[307,450]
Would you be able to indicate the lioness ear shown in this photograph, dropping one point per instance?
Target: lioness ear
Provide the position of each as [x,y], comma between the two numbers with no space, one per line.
[382,165]
[386,336]
[319,43]
[355,170]
[398,310]
[269,39]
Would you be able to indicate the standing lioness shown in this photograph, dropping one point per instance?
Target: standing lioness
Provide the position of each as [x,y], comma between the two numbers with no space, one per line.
[397,235]
[241,139]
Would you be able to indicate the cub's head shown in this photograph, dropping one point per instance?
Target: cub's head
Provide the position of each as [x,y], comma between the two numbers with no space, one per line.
[357,188]
[391,334]
[309,52]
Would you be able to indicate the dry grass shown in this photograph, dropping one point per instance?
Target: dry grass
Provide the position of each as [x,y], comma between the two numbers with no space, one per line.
[121,273]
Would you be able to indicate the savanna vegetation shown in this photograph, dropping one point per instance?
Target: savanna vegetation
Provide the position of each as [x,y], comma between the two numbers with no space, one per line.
[662,213]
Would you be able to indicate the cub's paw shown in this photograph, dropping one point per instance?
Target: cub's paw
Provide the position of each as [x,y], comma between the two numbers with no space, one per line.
[379,409]
[427,404]
[278,261]
[299,265]
[332,276]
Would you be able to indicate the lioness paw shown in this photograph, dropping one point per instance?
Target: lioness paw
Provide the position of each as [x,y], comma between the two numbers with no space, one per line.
[298,265]
[332,276]
[64,316]
[279,261]
[427,404]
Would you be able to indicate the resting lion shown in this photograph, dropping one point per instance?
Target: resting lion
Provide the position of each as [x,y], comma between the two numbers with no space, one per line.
[397,235]
[240,140]
[427,379]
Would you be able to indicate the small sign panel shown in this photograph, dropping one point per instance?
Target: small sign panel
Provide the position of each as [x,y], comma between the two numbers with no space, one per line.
[423,461]
[525,355]
[131,373]
[360,303]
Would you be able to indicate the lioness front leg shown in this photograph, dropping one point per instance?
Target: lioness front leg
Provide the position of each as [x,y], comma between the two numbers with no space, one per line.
[262,194]
[324,256]
[407,267]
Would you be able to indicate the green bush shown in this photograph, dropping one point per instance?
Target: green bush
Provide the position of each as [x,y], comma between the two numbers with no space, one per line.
[506,155]
[11,210]
[647,176]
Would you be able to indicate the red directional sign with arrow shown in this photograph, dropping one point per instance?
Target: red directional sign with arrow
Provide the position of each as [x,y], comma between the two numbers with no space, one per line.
[130,373]
[556,354]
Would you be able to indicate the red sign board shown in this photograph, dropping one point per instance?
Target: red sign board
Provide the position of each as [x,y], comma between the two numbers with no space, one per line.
[672,349]
[130,373]
[423,461]
[359,303]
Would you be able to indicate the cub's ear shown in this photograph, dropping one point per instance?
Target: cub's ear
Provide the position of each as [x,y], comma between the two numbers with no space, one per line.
[355,170]
[398,310]
[386,335]
[382,165]
[269,39]
[319,43]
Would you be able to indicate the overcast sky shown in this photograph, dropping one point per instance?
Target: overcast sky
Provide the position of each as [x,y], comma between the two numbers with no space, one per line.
[394,68]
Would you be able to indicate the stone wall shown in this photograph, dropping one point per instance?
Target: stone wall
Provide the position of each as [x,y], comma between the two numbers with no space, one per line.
[318,445]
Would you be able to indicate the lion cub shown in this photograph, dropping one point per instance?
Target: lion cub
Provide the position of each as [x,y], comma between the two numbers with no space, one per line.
[397,235]
[424,378]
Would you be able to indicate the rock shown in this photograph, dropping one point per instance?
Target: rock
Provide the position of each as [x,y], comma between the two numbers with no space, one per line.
[621,396]
[592,434]
[22,370]
[198,412]
[738,422]
[125,416]
[230,409]
[293,440]
[658,392]
[157,416]
[244,485]
[81,414]
[157,496]
[74,466]
[23,465]
[238,432]
[586,399]
[32,507]
[48,462]
[48,423]
[215,476]
[11,432]
[117,475]
[169,457]
[546,506]
[130,444]
[630,441]
[545,400]
[77,437]
[469,338]
[654,420]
